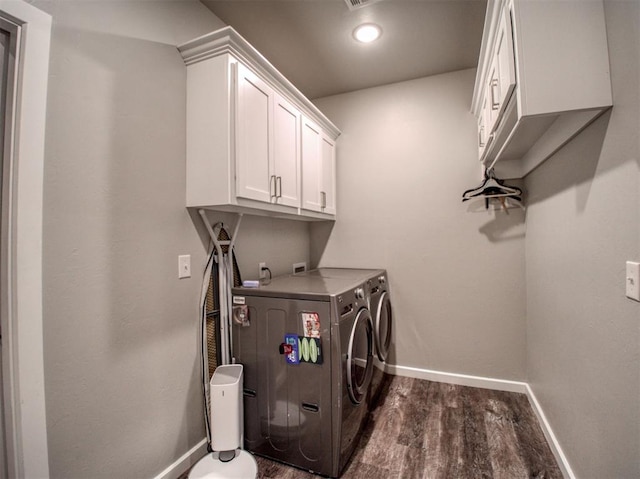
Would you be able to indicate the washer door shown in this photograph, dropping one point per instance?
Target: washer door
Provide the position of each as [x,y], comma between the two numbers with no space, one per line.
[360,357]
[384,320]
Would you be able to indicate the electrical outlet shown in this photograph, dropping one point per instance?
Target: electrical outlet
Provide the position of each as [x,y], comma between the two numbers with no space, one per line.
[299,267]
[261,271]
[184,266]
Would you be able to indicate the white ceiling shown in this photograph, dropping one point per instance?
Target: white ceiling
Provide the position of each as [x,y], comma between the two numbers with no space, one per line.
[311,43]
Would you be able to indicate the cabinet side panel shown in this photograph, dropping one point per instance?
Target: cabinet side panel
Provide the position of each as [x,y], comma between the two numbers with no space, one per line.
[208,132]
[562,56]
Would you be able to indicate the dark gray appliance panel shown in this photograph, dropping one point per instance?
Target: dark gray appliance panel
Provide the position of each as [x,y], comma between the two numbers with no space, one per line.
[245,350]
[287,406]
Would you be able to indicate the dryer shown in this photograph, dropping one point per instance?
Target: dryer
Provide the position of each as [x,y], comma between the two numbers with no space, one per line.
[306,344]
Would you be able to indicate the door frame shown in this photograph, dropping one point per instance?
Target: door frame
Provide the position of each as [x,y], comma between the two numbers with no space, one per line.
[22,351]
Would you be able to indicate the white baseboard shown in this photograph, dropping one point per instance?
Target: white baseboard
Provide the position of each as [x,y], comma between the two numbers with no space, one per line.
[459,379]
[561,459]
[185,461]
[489,383]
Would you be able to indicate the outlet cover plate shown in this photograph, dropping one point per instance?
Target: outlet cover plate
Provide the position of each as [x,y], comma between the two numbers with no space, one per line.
[184,266]
[261,272]
[633,280]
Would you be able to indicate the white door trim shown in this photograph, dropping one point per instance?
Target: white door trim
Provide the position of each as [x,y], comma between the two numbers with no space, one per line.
[23,335]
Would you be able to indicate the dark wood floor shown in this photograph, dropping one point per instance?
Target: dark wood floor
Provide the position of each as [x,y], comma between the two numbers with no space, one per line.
[423,429]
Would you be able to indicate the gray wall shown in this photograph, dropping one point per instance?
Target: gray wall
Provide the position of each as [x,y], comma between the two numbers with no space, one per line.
[406,154]
[583,223]
[121,367]
[121,331]
[277,242]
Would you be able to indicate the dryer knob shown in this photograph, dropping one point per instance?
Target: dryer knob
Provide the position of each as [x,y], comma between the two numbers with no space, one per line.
[359,292]
[382,279]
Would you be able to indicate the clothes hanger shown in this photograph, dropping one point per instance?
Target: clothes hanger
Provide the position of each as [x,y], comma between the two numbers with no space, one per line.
[492,187]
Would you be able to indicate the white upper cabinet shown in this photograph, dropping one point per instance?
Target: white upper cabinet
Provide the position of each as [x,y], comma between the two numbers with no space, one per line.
[543,76]
[245,148]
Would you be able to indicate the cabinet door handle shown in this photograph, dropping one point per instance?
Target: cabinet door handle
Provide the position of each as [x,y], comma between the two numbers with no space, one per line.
[323,199]
[272,187]
[489,140]
[480,136]
[279,187]
[495,105]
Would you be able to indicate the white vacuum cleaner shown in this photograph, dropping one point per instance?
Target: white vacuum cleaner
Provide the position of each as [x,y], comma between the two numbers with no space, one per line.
[228,460]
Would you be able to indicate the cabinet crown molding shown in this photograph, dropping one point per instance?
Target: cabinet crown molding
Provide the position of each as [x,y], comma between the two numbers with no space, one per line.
[228,40]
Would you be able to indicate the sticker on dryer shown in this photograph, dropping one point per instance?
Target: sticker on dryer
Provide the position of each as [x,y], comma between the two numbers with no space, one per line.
[311,325]
[238,300]
[240,315]
[310,350]
[291,348]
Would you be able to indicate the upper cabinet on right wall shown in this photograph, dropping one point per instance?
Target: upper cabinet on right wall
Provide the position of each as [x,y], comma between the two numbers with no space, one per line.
[543,76]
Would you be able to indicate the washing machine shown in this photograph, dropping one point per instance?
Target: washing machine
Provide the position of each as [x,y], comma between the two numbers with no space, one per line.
[306,344]
[378,298]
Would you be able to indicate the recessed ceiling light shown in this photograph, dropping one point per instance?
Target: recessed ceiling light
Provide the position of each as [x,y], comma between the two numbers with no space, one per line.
[367,32]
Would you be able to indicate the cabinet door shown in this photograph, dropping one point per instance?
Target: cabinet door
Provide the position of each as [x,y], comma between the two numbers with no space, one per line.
[318,169]
[502,76]
[328,175]
[485,137]
[254,118]
[311,165]
[286,145]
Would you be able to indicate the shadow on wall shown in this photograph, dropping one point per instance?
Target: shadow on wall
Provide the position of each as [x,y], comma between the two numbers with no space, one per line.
[319,232]
[278,242]
[505,227]
[228,221]
[507,223]
[587,146]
